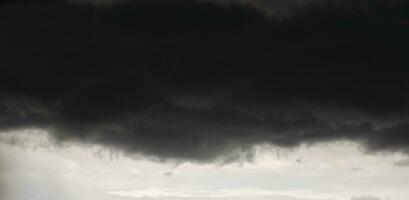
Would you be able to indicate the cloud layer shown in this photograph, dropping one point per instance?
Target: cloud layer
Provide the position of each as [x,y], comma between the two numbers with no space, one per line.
[366,197]
[200,81]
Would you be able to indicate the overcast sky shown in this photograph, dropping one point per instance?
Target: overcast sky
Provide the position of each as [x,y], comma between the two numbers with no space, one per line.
[40,169]
[186,99]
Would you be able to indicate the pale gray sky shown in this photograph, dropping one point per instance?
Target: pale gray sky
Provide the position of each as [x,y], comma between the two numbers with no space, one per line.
[34,167]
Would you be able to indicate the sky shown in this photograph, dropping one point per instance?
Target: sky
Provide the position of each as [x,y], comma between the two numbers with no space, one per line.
[186,99]
[41,169]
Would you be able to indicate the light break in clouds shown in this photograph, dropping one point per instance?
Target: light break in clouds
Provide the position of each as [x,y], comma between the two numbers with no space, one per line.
[39,168]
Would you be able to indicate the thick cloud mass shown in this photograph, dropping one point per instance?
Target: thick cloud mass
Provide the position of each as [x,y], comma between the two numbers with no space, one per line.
[200,81]
[270,7]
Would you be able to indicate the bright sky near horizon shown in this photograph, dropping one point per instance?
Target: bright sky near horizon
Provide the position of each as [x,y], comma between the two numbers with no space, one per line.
[34,167]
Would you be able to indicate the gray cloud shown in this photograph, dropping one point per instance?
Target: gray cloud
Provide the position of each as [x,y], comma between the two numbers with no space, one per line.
[227,133]
[402,163]
[168,174]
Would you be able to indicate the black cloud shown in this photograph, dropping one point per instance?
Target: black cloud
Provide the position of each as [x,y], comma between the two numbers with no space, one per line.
[201,81]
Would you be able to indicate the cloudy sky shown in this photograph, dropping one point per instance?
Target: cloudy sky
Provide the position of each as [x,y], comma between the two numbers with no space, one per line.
[205,100]
[41,169]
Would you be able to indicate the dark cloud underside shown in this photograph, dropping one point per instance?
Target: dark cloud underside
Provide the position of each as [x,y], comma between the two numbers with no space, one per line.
[201,81]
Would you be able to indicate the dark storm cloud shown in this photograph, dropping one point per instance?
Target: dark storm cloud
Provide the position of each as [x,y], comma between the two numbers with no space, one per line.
[270,7]
[200,81]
